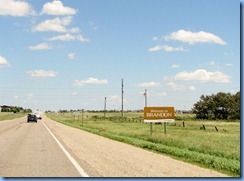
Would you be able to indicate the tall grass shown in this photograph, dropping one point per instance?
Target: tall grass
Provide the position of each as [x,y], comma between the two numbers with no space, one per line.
[10,115]
[218,150]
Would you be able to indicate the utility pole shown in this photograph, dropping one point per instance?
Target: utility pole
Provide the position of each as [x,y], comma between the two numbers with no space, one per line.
[122,103]
[82,116]
[145,94]
[105,106]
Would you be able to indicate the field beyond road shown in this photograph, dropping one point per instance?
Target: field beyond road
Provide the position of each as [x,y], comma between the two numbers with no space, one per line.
[216,147]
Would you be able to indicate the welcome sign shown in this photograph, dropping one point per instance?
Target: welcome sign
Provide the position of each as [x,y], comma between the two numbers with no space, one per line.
[159,114]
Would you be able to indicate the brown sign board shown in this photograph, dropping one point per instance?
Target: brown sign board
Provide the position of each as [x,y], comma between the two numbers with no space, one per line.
[159,114]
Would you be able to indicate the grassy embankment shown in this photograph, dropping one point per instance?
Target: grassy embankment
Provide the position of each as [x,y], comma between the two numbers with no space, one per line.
[10,115]
[218,150]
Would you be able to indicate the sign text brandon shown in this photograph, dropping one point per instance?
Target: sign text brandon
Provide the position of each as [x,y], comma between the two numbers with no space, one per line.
[158,113]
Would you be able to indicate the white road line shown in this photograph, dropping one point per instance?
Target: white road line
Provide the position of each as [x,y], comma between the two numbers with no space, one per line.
[77,166]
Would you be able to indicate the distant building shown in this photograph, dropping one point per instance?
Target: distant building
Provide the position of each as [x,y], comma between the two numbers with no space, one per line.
[5,108]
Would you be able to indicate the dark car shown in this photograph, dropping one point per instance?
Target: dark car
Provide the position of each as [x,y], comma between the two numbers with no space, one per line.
[31,117]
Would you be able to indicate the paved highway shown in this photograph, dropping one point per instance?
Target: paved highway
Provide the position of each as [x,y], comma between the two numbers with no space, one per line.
[32,150]
[29,150]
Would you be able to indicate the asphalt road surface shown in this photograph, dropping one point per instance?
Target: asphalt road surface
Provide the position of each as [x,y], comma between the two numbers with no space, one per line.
[51,149]
[29,150]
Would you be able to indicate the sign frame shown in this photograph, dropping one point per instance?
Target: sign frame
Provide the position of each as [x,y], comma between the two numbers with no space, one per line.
[158,114]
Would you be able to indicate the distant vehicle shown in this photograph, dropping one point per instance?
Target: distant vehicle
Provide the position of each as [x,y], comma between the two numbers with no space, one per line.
[39,116]
[31,117]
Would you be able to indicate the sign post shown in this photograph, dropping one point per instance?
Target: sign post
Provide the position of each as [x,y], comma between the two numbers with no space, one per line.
[158,115]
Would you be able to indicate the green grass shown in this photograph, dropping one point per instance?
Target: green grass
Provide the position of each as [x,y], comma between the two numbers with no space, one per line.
[10,115]
[218,150]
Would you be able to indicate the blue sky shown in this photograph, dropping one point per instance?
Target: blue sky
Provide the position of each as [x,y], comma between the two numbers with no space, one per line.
[70,54]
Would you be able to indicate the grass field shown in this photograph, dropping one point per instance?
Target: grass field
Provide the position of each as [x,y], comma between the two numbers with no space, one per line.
[218,150]
[10,115]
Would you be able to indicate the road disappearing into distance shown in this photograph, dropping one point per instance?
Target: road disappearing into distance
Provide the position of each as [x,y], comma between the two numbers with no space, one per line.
[51,149]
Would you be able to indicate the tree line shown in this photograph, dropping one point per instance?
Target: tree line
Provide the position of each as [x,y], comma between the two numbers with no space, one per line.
[218,106]
[15,109]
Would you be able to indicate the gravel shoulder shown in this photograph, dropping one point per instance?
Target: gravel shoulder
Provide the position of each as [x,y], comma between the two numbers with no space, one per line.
[102,157]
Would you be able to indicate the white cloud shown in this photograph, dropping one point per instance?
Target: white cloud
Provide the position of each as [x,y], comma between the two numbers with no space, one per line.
[42,46]
[229,64]
[66,37]
[69,37]
[175,66]
[82,39]
[42,73]
[4,62]
[166,48]
[15,8]
[149,84]
[202,75]
[155,49]
[57,8]
[71,56]
[195,37]
[192,88]
[175,87]
[173,49]
[75,30]
[56,24]
[155,38]
[91,80]
[74,94]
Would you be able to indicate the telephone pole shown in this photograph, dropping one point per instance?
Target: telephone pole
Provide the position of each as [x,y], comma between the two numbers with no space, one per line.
[145,94]
[122,103]
[105,106]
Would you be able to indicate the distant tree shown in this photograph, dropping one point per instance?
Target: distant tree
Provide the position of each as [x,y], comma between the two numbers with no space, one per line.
[219,106]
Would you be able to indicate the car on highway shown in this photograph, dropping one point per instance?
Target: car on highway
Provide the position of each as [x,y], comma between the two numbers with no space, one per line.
[39,116]
[31,117]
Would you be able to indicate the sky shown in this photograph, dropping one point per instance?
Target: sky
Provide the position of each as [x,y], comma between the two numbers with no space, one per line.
[71,54]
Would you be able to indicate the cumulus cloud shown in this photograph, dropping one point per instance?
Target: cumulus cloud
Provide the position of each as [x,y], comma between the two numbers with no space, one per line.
[166,48]
[57,8]
[202,75]
[71,56]
[175,66]
[192,88]
[42,73]
[90,80]
[82,39]
[66,37]
[69,37]
[155,49]
[195,37]
[155,38]
[173,49]
[15,8]
[56,24]
[149,84]
[4,62]
[42,46]
[175,87]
